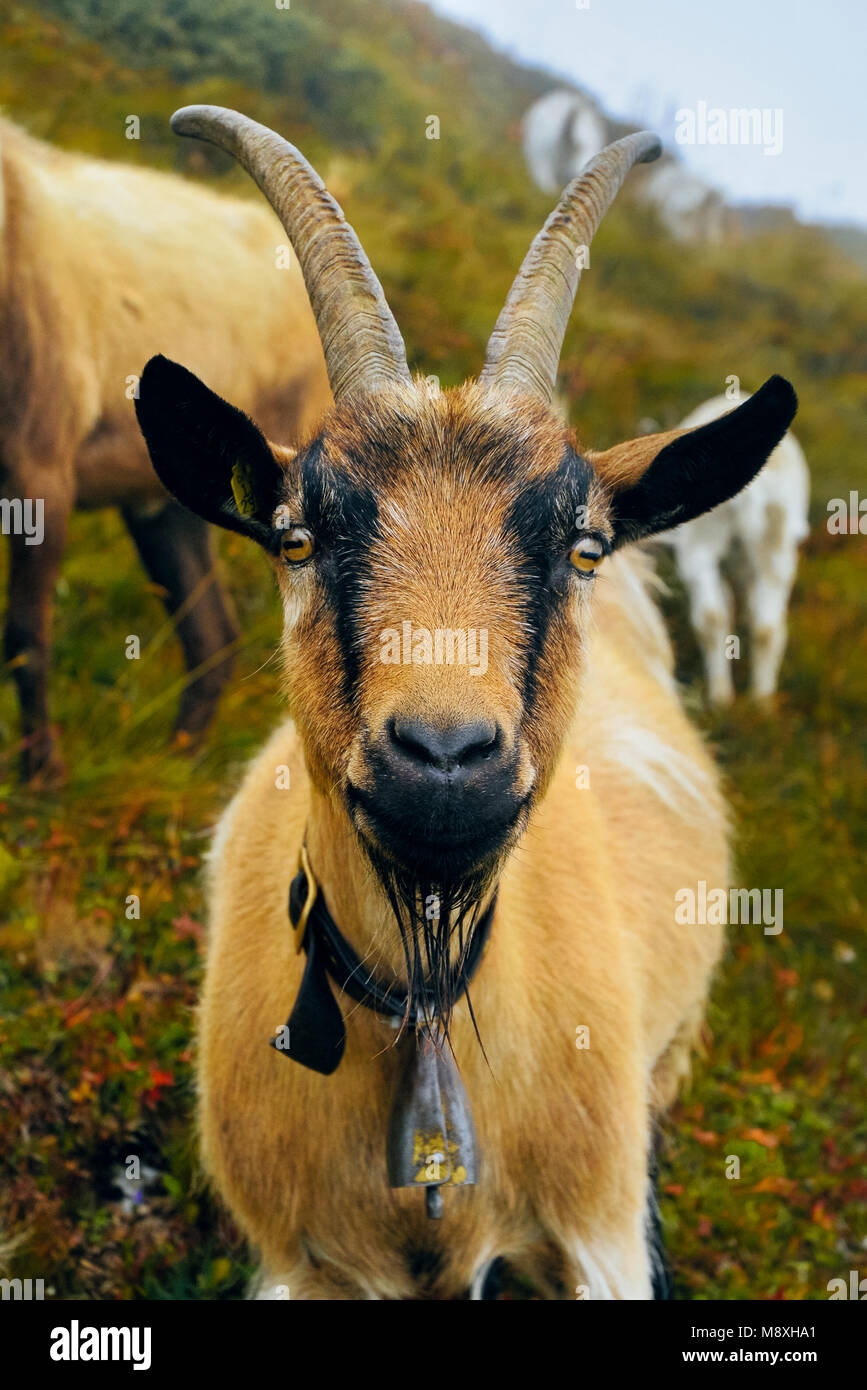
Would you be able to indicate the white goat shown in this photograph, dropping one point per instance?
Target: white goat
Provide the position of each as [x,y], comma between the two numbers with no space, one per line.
[564,128]
[560,132]
[767,521]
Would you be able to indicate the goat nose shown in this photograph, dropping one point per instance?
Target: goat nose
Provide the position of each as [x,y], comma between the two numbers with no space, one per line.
[458,747]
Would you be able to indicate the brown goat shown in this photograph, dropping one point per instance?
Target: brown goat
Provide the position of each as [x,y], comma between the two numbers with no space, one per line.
[458,882]
[102,265]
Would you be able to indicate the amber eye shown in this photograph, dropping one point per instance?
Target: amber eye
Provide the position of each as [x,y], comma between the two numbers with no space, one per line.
[296,545]
[585,555]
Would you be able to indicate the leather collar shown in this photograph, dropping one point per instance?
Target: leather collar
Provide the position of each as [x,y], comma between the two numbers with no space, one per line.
[431,1141]
[315,1034]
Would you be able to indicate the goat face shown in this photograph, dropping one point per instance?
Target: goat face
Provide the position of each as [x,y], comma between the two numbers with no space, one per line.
[436,555]
[427,548]
[421,525]
[433,636]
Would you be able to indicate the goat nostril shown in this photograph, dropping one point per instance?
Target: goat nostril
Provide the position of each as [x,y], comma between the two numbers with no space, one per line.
[445,748]
[407,736]
[482,751]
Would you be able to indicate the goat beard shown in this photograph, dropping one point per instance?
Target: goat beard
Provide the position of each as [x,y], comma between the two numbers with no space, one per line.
[437,922]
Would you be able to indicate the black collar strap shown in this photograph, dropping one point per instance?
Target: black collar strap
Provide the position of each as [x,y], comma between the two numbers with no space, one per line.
[431,1141]
[315,1034]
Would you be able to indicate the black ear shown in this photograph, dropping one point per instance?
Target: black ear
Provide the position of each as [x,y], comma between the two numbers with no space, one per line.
[209,455]
[705,466]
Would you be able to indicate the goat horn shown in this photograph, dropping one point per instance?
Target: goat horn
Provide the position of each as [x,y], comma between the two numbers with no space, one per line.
[363,348]
[524,348]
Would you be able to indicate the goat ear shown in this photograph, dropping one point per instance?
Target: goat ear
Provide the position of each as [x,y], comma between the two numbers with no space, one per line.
[209,455]
[665,479]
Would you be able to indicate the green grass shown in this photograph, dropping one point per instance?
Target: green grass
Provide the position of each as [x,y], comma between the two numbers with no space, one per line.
[95,1043]
[788,1055]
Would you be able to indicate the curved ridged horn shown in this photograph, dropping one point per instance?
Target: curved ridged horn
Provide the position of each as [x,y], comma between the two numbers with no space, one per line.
[361,341]
[524,348]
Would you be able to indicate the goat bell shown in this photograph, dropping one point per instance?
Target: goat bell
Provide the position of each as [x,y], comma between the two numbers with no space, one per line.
[431,1135]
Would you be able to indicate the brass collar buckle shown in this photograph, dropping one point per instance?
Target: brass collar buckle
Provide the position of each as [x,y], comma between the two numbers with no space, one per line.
[310,899]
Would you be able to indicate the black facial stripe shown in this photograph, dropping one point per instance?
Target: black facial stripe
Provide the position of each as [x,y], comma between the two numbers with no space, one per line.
[541,523]
[343,518]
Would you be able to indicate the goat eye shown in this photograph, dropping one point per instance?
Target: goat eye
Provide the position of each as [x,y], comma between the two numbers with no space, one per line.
[297,545]
[585,555]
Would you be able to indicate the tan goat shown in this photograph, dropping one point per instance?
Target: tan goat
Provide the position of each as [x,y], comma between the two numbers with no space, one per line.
[100,266]
[523,821]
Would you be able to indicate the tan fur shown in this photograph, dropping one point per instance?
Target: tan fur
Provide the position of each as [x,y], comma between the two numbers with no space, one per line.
[102,266]
[584,932]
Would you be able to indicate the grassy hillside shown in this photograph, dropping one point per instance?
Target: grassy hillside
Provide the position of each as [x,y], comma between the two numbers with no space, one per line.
[97,1010]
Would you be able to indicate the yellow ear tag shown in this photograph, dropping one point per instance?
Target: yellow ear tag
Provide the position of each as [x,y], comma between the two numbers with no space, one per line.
[243,490]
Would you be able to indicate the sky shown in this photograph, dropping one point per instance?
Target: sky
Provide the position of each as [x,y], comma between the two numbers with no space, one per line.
[647,60]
